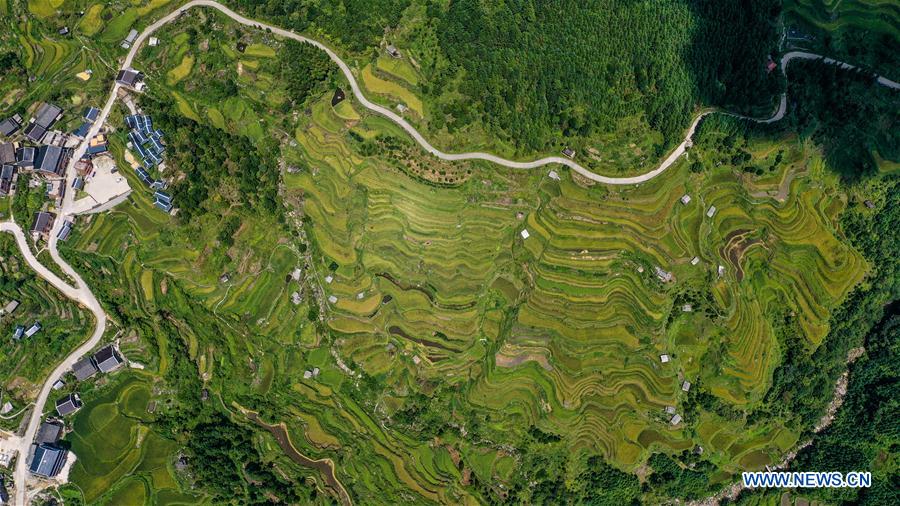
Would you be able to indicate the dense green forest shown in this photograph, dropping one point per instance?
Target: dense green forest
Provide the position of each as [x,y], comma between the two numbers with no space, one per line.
[539,72]
[847,113]
[304,69]
[211,159]
[865,434]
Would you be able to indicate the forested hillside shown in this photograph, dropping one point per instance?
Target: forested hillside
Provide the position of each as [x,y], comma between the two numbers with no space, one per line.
[853,118]
[537,69]
[541,73]
[864,31]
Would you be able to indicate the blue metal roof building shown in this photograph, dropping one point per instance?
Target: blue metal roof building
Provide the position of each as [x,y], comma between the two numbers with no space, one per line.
[82,130]
[161,195]
[165,206]
[48,460]
[91,114]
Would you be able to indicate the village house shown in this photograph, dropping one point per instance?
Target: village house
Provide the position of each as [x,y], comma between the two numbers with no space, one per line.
[131,78]
[10,125]
[7,153]
[4,494]
[25,157]
[35,132]
[82,131]
[43,223]
[663,275]
[49,433]
[569,152]
[108,359]
[9,307]
[129,39]
[46,115]
[163,201]
[33,329]
[84,369]
[393,51]
[64,231]
[47,460]
[51,160]
[97,145]
[91,114]
[7,176]
[68,404]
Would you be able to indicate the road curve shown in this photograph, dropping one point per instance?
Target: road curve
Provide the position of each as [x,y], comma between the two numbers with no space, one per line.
[79,293]
[396,118]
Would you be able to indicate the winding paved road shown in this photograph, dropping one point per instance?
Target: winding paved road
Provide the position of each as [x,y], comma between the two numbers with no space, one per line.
[79,293]
[83,295]
[396,118]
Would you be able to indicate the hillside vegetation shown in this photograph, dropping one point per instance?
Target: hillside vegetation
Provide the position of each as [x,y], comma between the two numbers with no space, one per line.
[529,76]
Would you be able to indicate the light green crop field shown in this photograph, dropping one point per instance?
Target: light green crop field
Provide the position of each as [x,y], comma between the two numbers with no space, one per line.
[120,460]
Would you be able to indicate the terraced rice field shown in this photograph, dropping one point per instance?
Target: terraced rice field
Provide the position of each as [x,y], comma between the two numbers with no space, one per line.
[44,8]
[181,71]
[430,291]
[402,95]
[120,460]
[879,15]
[579,354]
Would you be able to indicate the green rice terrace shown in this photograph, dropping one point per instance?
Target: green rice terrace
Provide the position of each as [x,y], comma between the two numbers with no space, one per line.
[333,315]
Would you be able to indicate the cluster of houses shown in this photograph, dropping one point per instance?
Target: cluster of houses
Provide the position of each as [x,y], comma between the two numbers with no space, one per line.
[46,457]
[38,148]
[21,331]
[147,143]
